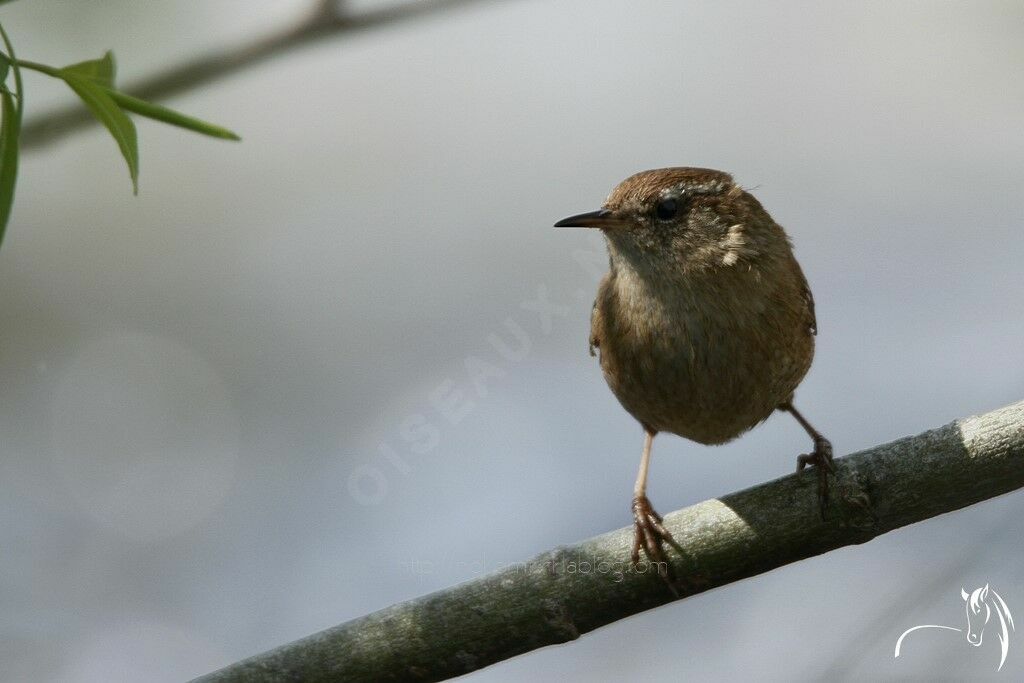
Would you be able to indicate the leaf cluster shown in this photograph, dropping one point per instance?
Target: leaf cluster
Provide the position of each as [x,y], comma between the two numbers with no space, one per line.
[93,82]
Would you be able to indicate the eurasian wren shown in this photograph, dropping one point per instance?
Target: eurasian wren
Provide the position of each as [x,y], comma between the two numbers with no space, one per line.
[704,323]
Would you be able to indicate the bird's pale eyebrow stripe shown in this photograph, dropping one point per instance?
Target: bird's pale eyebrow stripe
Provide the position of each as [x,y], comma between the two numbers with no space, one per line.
[710,187]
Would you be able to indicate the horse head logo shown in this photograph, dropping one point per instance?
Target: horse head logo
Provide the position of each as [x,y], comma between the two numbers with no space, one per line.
[981,604]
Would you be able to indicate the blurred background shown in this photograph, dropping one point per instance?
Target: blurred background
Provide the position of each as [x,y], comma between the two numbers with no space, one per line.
[222,402]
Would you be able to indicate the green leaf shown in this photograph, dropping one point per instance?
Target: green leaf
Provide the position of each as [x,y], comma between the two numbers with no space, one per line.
[104,108]
[5,66]
[160,113]
[100,71]
[9,130]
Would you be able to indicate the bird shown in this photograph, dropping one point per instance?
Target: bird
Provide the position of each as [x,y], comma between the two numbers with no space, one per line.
[704,324]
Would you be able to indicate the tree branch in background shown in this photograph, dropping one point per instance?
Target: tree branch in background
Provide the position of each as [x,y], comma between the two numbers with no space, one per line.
[568,591]
[329,19]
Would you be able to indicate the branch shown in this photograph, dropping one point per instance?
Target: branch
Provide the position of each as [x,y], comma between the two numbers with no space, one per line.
[554,597]
[327,21]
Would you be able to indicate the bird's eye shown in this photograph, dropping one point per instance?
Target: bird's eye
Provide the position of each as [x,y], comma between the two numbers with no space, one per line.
[666,209]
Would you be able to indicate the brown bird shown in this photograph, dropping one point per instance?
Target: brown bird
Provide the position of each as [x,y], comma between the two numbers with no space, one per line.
[704,323]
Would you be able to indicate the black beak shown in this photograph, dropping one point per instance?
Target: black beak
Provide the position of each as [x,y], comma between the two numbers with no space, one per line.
[602,218]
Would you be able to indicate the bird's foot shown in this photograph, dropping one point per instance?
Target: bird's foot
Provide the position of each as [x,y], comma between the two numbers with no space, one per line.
[821,458]
[649,533]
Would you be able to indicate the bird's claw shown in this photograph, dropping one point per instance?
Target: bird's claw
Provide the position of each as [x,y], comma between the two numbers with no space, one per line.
[649,533]
[821,458]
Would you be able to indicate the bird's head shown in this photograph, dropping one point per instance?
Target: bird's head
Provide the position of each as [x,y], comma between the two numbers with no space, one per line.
[695,219]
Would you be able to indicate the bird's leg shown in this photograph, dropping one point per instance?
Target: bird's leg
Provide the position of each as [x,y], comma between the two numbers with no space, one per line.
[648,531]
[821,457]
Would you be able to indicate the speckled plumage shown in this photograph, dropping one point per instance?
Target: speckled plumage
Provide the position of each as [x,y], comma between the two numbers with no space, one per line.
[705,325]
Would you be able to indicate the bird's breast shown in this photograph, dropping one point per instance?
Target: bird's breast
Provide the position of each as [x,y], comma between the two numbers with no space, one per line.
[706,362]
